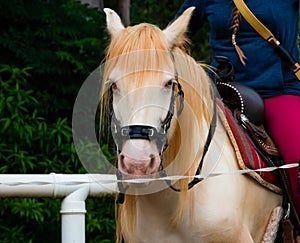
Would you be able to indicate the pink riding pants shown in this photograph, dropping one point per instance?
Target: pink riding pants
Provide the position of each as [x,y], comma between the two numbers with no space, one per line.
[282,117]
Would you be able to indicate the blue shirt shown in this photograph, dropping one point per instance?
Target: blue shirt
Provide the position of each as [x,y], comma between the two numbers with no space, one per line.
[264,71]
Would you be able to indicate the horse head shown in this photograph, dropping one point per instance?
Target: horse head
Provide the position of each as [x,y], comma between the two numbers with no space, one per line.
[144,92]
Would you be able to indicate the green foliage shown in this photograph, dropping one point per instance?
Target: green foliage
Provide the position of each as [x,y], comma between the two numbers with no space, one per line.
[61,40]
[27,138]
[32,144]
[100,222]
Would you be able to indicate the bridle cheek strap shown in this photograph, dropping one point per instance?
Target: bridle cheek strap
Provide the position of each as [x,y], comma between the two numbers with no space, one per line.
[209,138]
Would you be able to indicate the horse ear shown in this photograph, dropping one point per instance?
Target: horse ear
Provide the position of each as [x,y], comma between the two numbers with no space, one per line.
[113,21]
[176,31]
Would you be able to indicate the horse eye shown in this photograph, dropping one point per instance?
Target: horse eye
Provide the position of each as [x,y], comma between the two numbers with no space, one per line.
[169,84]
[114,86]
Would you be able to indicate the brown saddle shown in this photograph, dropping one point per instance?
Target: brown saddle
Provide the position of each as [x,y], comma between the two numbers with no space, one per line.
[248,109]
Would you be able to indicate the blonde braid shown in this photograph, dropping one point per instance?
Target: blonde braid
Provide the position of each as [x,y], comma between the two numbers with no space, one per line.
[235,27]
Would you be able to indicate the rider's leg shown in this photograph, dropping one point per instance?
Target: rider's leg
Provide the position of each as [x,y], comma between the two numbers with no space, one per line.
[282,114]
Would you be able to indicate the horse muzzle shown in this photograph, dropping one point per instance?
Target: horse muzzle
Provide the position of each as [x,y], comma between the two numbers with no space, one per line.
[139,149]
[138,159]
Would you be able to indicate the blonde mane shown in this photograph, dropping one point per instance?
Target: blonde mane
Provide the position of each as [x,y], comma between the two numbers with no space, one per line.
[144,47]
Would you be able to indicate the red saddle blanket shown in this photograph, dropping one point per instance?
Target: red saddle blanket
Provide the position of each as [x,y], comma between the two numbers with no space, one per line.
[250,157]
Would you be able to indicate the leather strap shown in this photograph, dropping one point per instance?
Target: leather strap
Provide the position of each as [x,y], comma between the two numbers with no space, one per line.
[267,35]
[287,234]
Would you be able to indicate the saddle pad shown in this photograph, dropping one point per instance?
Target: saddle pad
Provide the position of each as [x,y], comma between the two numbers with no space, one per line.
[246,154]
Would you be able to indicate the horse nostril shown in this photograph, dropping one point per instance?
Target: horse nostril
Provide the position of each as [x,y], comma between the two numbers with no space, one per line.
[122,160]
[152,157]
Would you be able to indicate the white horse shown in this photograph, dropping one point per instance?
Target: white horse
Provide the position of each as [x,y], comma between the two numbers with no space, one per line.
[147,70]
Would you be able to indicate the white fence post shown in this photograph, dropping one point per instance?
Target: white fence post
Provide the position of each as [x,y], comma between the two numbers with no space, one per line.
[73,216]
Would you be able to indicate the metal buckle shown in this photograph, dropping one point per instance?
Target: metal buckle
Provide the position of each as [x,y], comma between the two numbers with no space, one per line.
[124,132]
[244,120]
[288,211]
[151,132]
[115,129]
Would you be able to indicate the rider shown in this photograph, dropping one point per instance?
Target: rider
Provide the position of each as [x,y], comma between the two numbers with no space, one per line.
[257,64]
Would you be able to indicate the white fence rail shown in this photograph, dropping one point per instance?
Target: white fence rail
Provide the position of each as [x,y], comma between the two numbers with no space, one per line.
[74,188]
